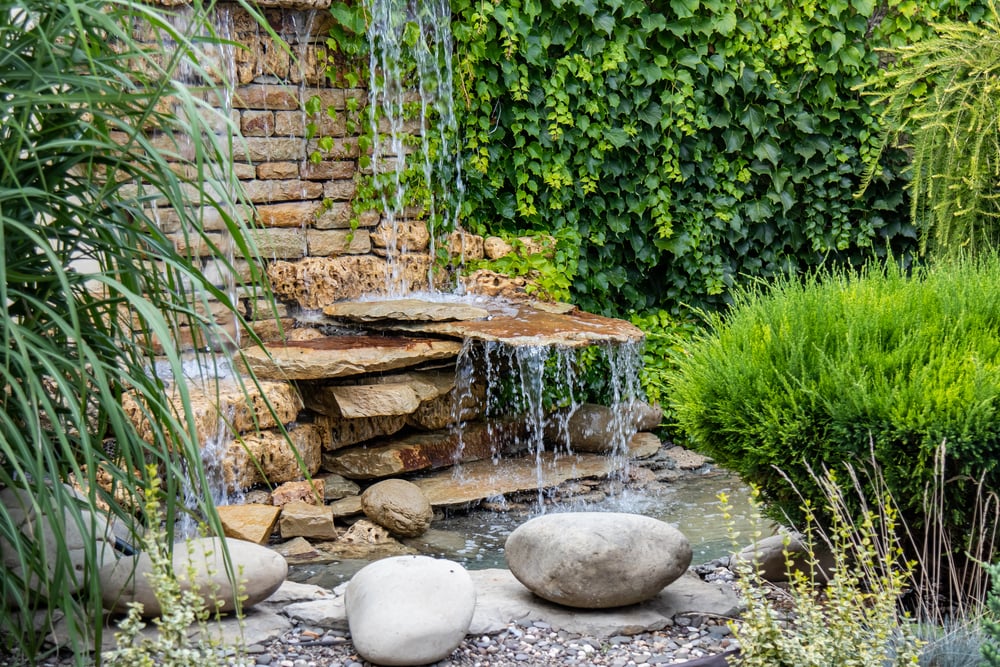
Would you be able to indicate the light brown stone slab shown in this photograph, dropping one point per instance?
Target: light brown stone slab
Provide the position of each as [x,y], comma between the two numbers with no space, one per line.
[252,522]
[521,324]
[374,400]
[343,356]
[405,310]
[425,451]
[484,479]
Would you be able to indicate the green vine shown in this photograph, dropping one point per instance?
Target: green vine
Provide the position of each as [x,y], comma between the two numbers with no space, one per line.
[688,143]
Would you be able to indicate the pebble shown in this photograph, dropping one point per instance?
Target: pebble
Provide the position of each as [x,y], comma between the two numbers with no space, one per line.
[523,642]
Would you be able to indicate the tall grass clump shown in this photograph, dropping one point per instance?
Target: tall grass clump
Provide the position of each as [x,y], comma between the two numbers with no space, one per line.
[845,367]
[98,143]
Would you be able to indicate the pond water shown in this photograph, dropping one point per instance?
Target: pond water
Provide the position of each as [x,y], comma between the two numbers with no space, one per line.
[476,538]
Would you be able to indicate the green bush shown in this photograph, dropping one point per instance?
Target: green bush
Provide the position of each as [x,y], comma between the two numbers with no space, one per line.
[845,367]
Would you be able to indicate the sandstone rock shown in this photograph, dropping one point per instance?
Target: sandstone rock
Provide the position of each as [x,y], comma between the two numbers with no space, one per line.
[595,560]
[406,310]
[299,550]
[685,459]
[521,324]
[495,247]
[399,506]
[341,356]
[315,282]
[466,246]
[490,283]
[20,508]
[260,572]
[441,412]
[409,610]
[300,519]
[771,556]
[340,433]
[643,445]
[242,408]
[268,457]
[336,487]
[406,237]
[363,400]
[306,491]
[424,451]
[599,428]
[250,522]
[365,540]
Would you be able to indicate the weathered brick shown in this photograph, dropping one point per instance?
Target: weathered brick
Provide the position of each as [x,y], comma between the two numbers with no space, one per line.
[327,170]
[278,170]
[277,191]
[342,190]
[268,149]
[256,123]
[328,243]
[291,214]
[280,243]
[266,96]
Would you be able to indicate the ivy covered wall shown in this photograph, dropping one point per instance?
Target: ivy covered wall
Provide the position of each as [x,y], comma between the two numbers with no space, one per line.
[679,147]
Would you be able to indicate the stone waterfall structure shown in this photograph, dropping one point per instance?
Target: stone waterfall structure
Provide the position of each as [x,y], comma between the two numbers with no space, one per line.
[363,388]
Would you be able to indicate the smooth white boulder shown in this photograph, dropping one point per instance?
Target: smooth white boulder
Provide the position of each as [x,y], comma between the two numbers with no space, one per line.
[595,560]
[198,564]
[409,610]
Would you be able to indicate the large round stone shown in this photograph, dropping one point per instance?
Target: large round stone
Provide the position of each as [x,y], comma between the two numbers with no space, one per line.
[409,610]
[198,564]
[595,560]
[79,530]
[399,506]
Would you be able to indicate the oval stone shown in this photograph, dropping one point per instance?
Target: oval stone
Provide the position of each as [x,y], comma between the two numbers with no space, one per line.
[399,506]
[595,560]
[198,564]
[409,610]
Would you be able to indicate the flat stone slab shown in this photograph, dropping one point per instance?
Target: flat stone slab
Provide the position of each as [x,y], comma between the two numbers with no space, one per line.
[478,480]
[500,599]
[522,324]
[405,310]
[344,356]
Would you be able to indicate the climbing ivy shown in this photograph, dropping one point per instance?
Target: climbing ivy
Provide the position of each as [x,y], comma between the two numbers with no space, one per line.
[679,147]
[688,143]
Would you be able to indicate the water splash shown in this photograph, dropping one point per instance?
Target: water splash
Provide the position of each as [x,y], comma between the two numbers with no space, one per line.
[411,98]
[540,388]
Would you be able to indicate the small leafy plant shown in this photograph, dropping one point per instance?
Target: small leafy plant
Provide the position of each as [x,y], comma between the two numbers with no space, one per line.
[852,621]
[183,609]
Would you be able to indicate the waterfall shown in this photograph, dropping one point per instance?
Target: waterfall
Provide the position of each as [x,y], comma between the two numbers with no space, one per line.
[411,100]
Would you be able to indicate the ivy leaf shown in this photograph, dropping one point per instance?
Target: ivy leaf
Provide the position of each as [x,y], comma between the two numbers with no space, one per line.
[759,211]
[864,7]
[684,8]
[605,22]
[726,23]
[767,150]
